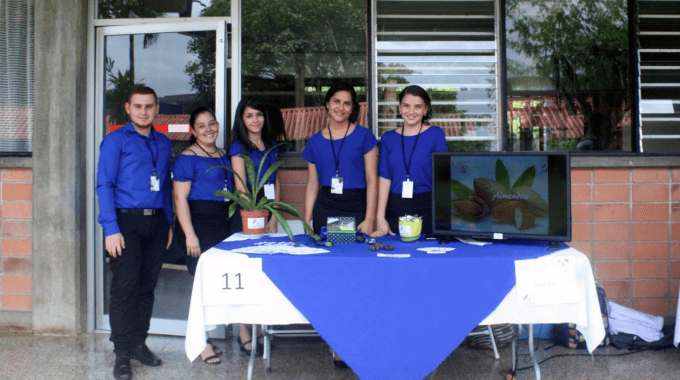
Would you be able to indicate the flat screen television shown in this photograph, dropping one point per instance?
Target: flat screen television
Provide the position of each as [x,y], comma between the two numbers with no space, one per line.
[499,195]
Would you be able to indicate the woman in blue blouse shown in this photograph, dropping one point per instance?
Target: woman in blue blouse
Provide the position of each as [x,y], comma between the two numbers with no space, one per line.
[405,166]
[252,136]
[203,217]
[342,164]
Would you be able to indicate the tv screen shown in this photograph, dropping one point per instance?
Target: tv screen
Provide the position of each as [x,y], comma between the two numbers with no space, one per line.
[499,195]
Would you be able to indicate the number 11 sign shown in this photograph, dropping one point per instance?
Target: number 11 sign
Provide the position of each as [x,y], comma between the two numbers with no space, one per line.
[232,280]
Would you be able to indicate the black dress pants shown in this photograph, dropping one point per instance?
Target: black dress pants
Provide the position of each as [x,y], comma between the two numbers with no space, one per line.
[135,274]
[211,223]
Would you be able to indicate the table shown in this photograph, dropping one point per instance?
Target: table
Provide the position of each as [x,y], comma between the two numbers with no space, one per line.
[357,301]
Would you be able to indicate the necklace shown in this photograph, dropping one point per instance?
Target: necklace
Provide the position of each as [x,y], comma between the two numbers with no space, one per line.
[206,152]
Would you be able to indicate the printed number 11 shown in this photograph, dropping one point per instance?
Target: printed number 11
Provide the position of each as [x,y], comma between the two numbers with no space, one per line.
[226,277]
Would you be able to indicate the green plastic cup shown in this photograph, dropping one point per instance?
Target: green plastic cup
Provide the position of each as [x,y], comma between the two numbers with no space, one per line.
[410,230]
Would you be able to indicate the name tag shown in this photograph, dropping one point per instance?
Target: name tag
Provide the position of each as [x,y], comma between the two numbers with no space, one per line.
[269,191]
[407,189]
[226,189]
[230,279]
[336,185]
[155,183]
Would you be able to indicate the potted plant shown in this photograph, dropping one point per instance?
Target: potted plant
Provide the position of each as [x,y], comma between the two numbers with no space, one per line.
[248,199]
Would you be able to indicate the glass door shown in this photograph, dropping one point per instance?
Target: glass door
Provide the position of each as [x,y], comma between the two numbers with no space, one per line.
[186,64]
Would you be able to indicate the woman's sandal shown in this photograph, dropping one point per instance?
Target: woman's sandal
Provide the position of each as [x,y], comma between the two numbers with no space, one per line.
[242,346]
[213,359]
[215,348]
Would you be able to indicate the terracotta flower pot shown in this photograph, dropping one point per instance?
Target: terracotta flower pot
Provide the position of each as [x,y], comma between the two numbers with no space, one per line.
[254,222]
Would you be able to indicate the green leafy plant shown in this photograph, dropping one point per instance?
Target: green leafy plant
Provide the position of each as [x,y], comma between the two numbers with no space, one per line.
[248,199]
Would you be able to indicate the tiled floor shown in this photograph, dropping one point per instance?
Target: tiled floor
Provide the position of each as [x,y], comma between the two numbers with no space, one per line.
[89,356]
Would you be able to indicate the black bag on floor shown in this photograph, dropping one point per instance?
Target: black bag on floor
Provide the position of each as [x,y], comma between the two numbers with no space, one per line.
[634,342]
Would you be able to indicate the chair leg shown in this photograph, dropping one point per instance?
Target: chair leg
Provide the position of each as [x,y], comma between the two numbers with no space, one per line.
[493,342]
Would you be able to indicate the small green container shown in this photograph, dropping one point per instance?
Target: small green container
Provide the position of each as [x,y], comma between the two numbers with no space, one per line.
[410,230]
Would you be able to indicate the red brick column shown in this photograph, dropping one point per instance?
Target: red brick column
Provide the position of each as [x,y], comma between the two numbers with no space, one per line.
[16,243]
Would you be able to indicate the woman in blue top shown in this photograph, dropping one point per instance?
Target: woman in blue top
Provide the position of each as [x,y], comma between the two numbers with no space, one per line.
[252,136]
[405,166]
[203,217]
[342,163]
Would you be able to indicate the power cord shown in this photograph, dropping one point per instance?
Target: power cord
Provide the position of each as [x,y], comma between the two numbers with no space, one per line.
[588,355]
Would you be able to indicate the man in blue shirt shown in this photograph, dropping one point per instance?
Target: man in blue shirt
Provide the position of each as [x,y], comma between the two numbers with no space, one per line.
[135,204]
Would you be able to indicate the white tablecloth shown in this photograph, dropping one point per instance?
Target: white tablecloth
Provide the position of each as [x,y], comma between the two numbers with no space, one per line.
[275,308]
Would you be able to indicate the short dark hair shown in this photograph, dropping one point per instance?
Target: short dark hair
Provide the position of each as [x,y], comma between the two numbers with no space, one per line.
[192,119]
[239,130]
[344,86]
[420,92]
[142,90]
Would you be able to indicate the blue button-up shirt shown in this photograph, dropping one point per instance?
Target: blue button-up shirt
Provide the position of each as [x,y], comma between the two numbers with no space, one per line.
[124,174]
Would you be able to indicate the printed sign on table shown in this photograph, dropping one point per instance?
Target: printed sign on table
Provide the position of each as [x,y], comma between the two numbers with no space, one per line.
[546,281]
[232,280]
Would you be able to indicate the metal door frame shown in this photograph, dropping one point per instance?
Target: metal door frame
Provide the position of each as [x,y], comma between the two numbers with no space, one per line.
[96,318]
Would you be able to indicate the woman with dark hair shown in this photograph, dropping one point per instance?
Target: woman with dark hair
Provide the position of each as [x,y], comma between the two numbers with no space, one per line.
[252,136]
[344,182]
[203,217]
[274,119]
[342,163]
[405,166]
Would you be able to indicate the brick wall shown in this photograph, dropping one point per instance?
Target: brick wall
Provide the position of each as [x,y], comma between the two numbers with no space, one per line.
[293,187]
[16,244]
[627,221]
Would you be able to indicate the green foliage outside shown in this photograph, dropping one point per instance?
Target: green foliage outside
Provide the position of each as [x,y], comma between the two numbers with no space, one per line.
[580,48]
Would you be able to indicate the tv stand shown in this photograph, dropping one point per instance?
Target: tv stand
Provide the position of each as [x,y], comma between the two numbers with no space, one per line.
[554,246]
[444,239]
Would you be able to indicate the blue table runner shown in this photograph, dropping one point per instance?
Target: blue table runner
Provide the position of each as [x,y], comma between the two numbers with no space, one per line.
[395,318]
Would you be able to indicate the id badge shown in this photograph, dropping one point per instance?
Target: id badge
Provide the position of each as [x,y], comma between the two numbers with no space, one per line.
[226,189]
[336,185]
[269,191]
[407,189]
[155,183]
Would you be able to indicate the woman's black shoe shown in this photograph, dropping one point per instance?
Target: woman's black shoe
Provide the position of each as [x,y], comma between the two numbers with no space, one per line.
[242,346]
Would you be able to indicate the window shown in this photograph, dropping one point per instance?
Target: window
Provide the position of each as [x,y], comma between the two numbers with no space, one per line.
[292,52]
[107,9]
[658,39]
[450,49]
[568,75]
[16,76]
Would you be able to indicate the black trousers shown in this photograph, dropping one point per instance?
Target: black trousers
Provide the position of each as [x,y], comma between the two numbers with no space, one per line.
[212,225]
[135,274]
[420,204]
[352,202]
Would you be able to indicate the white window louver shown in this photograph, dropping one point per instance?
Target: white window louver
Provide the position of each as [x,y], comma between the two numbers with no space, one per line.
[450,49]
[16,76]
[658,43]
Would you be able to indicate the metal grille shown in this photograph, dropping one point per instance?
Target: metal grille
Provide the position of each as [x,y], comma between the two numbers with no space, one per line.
[450,49]
[658,39]
[16,76]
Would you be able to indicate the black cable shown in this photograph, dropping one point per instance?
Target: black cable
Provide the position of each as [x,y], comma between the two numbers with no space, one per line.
[576,355]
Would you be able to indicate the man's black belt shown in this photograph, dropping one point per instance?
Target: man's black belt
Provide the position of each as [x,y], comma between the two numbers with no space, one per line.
[140,211]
